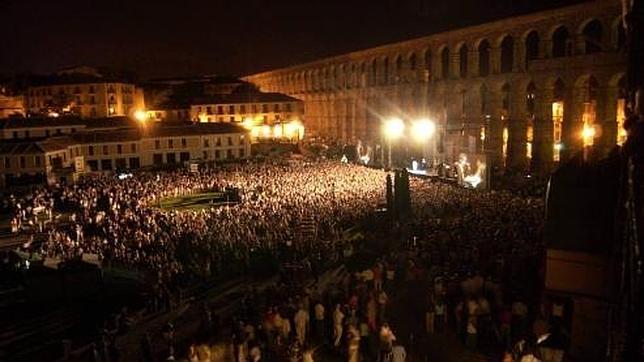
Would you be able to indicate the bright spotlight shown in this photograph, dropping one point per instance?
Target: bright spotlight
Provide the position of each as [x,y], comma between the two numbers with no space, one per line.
[588,133]
[423,129]
[140,115]
[394,128]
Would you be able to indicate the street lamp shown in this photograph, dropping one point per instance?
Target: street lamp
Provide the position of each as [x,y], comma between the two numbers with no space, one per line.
[393,129]
[423,130]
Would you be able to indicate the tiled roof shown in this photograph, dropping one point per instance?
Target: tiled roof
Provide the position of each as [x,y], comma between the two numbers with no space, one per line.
[35,122]
[22,147]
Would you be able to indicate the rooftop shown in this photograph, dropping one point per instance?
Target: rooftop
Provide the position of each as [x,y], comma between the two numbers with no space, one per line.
[245,97]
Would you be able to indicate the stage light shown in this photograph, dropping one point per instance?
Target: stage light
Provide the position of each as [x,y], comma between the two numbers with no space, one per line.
[394,128]
[140,115]
[423,129]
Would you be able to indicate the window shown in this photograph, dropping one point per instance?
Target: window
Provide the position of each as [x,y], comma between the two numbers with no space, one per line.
[105,150]
[7,162]
[157,144]
[220,109]
[241,152]
[288,107]
[206,143]
[264,108]
[119,149]
[23,162]
[254,108]
[37,161]
[229,154]
[218,142]
[93,112]
[205,155]
[27,134]
[242,108]
[73,130]
[217,154]
[93,165]
[47,133]
[15,134]
[90,150]
[593,36]
[531,47]
[91,90]
[157,158]
[231,109]
[58,131]
[184,156]
[183,143]
[276,107]
[208,110]
[106,165]
[133,148]
[171,157]
[170,143]
[230,141]
[557,129]
[232,118]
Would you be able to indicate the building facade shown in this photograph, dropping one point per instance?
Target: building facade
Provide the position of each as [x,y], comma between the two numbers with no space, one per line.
[87,98]
[527,91]
[107,149]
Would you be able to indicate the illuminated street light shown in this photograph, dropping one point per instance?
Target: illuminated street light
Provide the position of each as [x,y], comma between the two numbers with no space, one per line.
[140,115]
[588,134]
[423,129]
[392,129]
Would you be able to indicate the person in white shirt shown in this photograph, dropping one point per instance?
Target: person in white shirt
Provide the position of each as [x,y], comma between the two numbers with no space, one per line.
[301,319]
[398,353]
[338,318]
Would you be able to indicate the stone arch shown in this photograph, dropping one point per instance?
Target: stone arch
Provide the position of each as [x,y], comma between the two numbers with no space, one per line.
[399,66]
[463,60]
[560,42]
[484,57]
[505,96]
[531,46]
[385,70]
[531,96]
[592,33]
[484,94]
[445,58]
[507,54]
[373,74]
[412,61]
[427,58]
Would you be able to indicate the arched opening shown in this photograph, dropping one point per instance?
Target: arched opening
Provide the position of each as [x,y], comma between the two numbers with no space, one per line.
[374,72]
[463,61]
[560,42]
[507,54]
[412,61]
[557,118]
[505,96]
[385,71]
[621,111]
[592,33]
[483,92]
[531,47]
[589,116]
[445,63]
[428,64]
[484,58]
[531,91]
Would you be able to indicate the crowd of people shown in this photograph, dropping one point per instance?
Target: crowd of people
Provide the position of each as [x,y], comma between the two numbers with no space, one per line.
[474,255]
[120,219]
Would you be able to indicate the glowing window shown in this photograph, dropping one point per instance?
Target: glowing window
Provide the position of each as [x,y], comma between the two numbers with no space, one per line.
[588,121]
[621,117]
[557,122]
[505,143]
[529,139]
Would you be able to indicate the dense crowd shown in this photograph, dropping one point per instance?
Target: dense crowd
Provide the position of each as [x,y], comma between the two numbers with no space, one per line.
[121,221]
[472,256]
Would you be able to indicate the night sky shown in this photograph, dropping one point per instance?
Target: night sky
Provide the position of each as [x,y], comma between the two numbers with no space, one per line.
[236,37]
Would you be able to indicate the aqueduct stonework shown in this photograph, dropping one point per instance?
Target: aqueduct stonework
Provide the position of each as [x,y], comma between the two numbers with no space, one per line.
[530,90]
